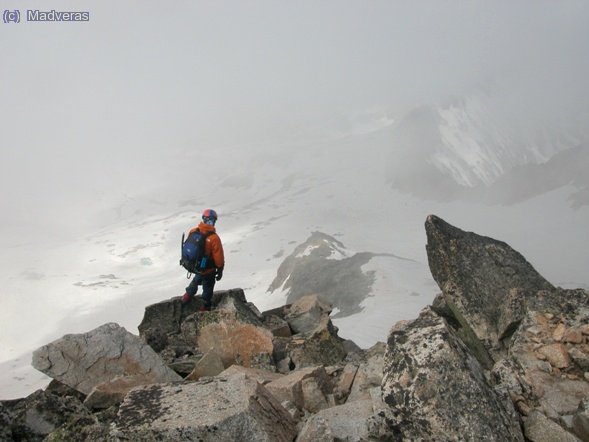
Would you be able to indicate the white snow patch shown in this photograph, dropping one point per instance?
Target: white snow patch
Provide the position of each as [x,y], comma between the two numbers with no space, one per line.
[308,250]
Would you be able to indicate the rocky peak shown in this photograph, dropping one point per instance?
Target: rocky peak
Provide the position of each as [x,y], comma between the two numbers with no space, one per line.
[484,282]
[500,355]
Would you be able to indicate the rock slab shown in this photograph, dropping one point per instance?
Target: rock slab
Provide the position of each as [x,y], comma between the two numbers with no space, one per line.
[232,409]
[83,361]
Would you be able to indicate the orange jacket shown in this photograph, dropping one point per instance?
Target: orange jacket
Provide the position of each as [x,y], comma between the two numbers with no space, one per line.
[213,247]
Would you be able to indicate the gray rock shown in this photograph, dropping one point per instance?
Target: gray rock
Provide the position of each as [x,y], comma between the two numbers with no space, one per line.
[232,409]
[347,422]
[306,312]
[581,420]
[38,415]
[6,419]
[209,365]
[113,391]
[314,398]
[163,320]
[277,325]
[539,428]
[485,283]
[351,347]
[290,387]
[83,361]
[346,379]
[580,358]
[235,341]
[261,376]
[235,304]
[430,379]
[320,347]
[368,375]
[504,374]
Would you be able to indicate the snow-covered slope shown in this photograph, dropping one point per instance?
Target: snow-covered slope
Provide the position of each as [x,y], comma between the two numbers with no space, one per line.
[472,141]
[270,201]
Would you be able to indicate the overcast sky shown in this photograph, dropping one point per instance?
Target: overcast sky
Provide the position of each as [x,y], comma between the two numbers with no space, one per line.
[102,107]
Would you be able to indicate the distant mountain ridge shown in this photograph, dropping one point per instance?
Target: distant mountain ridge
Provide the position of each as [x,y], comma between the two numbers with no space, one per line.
[441,151]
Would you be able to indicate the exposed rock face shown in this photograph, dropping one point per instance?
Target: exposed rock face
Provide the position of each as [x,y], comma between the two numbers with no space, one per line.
[235,341]
[430,379]
[231,409]
[85,360]
[369,373]
[305,313]
[320,346]
[293,388]
[323,265]
[499,352]
[38,415]
[513,321]
[112,392]
[485,282]
[162,323]
[209,365]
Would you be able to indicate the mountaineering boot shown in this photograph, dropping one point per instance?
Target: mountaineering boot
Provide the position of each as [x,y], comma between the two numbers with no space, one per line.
[185,298]
[202,308]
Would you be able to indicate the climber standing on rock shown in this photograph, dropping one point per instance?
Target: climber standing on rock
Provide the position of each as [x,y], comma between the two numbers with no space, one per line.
[202,254]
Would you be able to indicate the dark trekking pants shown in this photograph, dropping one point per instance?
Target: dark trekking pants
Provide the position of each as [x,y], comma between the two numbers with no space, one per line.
[208,284]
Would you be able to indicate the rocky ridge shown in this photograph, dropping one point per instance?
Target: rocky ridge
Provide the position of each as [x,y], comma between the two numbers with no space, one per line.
[501,354]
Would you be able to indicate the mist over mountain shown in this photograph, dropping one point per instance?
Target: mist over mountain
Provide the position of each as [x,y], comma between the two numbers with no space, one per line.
[353,119]
[476,147]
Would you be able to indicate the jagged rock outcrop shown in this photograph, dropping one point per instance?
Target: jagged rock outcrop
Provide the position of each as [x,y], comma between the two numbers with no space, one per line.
[500,355]
[530,335]
[431,379]
[247,400]
[485,283]
[231,409]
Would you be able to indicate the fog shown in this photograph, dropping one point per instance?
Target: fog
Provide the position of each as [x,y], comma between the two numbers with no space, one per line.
[95,110]
[354,119]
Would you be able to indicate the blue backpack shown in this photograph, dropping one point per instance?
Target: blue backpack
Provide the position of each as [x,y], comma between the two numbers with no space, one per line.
[193,257]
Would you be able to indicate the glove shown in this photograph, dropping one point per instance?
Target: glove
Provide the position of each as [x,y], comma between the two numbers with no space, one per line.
[219,274]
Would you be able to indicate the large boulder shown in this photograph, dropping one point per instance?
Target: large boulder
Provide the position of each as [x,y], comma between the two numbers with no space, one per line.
[162,322]
[531,335]
[320,346]
[306,388]
[234,408]
[431,379]
[235,341]
[485,283]
[306,312]
[83,361]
